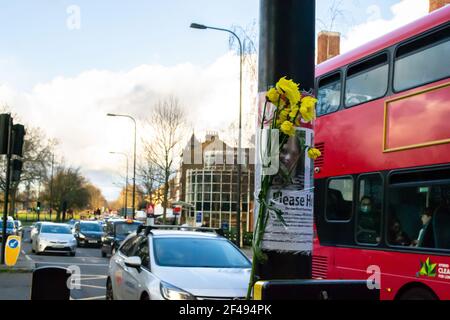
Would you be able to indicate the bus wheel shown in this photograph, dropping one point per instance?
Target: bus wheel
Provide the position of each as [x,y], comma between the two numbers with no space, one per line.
[418,294]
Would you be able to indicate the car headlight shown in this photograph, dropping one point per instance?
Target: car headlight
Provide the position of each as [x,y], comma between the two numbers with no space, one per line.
[82,236]
[170,292]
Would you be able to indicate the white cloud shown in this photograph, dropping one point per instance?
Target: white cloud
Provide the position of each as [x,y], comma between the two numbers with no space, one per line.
[403,12]
[73,110]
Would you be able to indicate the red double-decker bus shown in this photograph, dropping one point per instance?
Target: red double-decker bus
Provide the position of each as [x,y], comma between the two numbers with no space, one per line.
[382,190]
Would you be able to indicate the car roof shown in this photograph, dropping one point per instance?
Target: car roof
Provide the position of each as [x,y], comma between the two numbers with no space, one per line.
[45,223]
[90,222]
[185,234]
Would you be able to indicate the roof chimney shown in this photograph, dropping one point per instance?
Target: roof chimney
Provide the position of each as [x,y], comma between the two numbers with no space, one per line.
[437,4]
[328,45]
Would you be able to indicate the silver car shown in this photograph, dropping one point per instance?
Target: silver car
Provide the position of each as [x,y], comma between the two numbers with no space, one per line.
[54,238]
[177,265]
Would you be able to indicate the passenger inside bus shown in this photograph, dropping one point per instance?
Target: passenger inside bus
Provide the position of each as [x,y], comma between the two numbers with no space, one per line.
[434,206]
[369,222]
[396,235]
[425,238]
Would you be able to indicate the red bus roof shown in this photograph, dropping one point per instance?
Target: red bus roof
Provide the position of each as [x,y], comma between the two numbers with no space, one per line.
[428,22]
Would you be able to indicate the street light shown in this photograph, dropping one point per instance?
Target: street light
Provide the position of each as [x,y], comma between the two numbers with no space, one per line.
[126,182]
[134,162]
[203,27]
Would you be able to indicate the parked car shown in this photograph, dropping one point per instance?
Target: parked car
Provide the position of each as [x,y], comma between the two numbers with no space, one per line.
[19,227]
[34,231]
[116,230]
[10,229]
[88,233]
[177,265]
[72,223]
[54,238]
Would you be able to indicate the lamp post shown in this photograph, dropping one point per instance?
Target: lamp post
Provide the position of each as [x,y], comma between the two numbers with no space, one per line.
[239,186]
[126,181]
[134,161]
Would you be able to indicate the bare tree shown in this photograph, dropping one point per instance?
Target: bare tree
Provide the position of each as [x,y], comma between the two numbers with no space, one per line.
[168,124]
[334,13]
[150,177]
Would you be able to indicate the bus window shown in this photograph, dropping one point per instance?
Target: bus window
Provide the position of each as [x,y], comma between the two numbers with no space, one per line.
[419,216]
[369,209]
[367,81]
[423,61]
[329,94]
[339,199]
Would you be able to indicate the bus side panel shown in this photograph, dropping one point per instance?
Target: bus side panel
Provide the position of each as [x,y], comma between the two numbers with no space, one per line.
[354,264]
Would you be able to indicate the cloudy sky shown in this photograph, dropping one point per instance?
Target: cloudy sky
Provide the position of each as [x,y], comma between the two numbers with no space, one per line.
[64,74]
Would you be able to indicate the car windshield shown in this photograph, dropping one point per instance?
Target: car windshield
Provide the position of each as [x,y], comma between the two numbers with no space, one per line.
[9,225]
[198,253]
[90,227]
[56,229]
[126,228]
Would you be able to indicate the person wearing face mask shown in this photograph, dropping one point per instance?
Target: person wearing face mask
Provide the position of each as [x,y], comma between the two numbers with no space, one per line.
[368,226]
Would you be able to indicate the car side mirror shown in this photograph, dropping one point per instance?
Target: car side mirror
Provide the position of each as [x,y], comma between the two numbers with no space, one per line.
[133,262]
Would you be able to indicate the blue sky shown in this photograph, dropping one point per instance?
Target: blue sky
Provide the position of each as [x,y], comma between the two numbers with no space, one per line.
[129,54]
[118,35]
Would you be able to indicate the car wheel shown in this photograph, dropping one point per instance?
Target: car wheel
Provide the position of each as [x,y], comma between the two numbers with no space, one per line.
[72,254]
[145,296]
[418,294]
[103,254]
[109,290]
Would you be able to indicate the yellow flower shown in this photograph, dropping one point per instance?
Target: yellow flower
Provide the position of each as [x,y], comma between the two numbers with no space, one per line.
[283,115]
[314,153]
[275,98]
[294,112]
[290,89]
[308,108]
[288,128]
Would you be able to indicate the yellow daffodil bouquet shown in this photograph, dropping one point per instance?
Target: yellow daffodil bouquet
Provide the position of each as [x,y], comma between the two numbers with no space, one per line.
[285,109]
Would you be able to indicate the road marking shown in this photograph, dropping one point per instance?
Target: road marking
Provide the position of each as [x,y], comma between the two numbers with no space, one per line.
[73,264]
[26,256]
[91,298]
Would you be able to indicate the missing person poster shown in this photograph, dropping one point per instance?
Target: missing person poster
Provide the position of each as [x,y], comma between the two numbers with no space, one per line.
[291,198]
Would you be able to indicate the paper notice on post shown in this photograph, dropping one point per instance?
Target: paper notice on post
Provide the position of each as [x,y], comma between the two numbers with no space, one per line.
[296,233]
[292,193]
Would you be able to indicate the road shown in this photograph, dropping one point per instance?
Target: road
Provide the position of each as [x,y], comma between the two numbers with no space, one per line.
[93,270]
[92,266]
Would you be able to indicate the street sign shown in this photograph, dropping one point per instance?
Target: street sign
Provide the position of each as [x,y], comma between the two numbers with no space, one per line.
[225,225]
[12,250]
[176,211]
[199,217]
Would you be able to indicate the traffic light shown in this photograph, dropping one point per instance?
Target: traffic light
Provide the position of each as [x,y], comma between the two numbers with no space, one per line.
[18,134]
[16,166]
[38,206]
[5,120]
